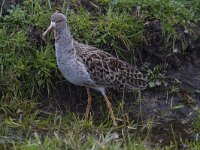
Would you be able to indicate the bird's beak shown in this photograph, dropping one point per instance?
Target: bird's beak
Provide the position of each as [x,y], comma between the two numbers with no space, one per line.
[52,25]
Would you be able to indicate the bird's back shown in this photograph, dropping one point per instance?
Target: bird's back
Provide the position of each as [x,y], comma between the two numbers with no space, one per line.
[107,70]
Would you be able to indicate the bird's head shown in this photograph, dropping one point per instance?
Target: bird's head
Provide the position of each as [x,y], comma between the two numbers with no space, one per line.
[58,22]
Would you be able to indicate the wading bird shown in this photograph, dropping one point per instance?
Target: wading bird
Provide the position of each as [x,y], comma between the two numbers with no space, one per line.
[84,65]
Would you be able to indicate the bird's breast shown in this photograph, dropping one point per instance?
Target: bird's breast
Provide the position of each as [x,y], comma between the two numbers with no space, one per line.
[74,72]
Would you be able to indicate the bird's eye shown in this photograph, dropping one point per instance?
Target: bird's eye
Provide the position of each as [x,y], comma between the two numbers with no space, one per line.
[59,21]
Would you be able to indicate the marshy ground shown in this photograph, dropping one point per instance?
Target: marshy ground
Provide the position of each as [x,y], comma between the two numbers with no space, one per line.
[39,109]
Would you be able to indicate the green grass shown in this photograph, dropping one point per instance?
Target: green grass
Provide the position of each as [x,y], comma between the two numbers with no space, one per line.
[25,126]
[117,31]
[28,70]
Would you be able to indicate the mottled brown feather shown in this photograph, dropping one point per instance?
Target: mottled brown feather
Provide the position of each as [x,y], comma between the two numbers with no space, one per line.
[107,70]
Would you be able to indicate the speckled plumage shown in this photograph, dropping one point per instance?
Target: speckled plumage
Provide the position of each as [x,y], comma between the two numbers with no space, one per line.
[88,66]
[108,71]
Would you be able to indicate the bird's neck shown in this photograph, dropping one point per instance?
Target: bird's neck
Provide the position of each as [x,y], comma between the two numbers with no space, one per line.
[64,43]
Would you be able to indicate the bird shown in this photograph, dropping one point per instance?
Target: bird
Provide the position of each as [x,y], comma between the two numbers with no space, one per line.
[93,68]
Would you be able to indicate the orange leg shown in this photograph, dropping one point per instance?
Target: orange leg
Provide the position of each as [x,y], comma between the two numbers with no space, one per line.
[109,105]
[88,104]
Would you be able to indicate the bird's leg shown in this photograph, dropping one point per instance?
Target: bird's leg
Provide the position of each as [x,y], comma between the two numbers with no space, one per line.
[88,104]
[109,105]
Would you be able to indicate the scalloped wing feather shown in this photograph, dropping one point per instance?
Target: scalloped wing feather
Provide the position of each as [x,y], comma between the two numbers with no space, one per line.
[107,70]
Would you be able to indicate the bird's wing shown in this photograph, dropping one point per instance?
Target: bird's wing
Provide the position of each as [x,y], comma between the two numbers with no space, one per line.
[109,71]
